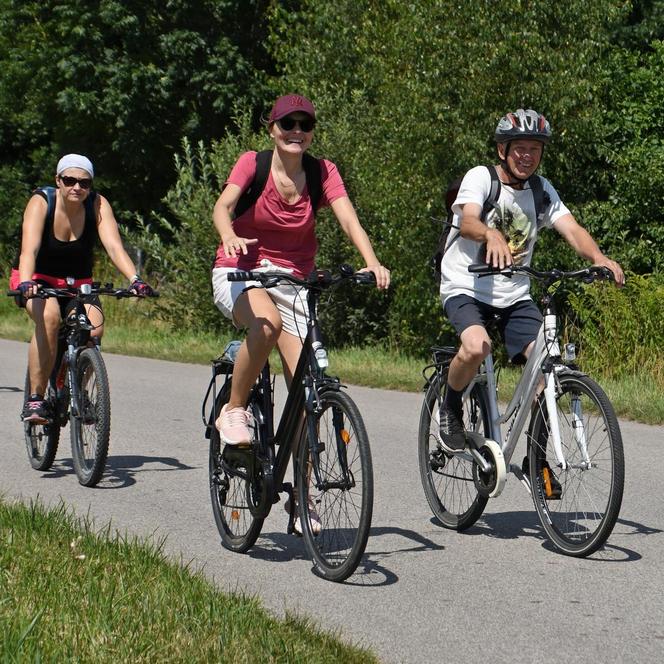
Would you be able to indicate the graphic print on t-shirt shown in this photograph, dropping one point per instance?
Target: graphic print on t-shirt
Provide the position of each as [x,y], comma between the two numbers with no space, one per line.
[515,227]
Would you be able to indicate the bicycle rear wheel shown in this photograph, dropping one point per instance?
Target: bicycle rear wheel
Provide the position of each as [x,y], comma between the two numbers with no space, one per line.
[447,479]
[91,428]
[335,515]
[231,490]
[41,440]
[581,516]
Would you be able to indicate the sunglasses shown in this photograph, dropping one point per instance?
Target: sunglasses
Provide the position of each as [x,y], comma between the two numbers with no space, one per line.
[288,124]
[69,181]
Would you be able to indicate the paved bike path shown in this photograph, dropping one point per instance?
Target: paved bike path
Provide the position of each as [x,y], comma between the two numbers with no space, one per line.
[423,594]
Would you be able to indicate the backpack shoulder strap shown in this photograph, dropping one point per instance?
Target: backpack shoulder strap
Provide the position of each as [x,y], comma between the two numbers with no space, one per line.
[48,194]
[494,192]
[540,196]
[312,171]
[251,194]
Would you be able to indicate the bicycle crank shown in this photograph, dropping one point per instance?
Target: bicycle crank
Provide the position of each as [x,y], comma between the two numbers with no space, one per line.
[490,474]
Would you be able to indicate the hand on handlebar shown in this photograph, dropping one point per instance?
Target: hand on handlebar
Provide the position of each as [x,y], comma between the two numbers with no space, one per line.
[381,275]
[142,289]
[614,269]
[29,288]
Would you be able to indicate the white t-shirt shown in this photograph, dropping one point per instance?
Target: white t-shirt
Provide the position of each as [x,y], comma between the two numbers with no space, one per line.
[515,218]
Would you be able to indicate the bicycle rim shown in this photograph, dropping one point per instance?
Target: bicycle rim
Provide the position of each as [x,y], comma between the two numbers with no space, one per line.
[582,519]
[91,428]
[447,479]
[230,491]
[336,515]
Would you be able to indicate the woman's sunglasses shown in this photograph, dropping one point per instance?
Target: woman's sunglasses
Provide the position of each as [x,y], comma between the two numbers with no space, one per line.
[69,181]
[288,124]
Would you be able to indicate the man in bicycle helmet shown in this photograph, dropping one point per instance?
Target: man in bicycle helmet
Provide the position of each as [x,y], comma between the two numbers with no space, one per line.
[498,213]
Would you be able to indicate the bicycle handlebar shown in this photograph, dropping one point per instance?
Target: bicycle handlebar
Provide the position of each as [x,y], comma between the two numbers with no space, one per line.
[45,292]
[586,274]
[318,279]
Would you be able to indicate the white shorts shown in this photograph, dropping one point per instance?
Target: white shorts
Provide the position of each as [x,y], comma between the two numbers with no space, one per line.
[291,301]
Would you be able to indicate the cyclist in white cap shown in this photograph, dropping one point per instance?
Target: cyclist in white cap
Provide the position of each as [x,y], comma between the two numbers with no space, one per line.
[60,227]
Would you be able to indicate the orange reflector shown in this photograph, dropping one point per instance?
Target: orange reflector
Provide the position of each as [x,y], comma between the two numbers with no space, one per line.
[546,476]
[345,436]
[235,515]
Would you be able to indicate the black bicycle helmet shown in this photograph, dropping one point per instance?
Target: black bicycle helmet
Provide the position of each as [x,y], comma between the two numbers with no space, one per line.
[523,124]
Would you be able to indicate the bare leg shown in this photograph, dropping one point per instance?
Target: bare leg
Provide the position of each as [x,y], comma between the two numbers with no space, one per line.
[44,342]
[475,346]
[255,311]
[289,347]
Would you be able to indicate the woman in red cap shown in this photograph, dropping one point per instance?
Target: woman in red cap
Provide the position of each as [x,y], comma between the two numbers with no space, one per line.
[277,231]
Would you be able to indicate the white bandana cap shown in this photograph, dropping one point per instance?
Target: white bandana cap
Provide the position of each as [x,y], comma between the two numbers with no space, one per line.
[75,161]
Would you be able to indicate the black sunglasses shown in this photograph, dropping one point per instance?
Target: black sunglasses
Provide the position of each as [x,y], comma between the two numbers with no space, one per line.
[289,123]
[69,181]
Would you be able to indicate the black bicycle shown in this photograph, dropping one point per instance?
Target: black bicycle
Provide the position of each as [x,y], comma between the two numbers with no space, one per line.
[77,392]
[320,427]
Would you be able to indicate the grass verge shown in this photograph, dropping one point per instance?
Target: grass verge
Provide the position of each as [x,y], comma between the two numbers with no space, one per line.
[133,332]
[70,593]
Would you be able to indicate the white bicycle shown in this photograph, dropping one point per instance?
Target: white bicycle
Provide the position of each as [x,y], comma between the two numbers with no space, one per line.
[574,465]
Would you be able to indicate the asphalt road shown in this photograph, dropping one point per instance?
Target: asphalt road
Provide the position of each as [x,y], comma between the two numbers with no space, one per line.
[423,594]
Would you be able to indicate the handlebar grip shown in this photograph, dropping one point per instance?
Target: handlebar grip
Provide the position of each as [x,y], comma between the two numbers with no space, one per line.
[364,278]
[14,293]
[483,270]
[240,275]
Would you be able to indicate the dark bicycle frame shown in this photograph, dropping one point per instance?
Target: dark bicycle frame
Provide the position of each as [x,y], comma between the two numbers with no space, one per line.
[309,380]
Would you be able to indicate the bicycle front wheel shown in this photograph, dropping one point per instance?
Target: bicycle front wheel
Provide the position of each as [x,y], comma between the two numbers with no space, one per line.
[91,427]
[447,478]
[578,506]
[41,440]
[231,489]
[335,486]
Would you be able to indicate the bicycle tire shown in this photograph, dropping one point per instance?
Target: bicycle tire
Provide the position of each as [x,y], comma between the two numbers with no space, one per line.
[41,440]
[91,428]
[447,479]
[238,527]
[582,519]
[344,509]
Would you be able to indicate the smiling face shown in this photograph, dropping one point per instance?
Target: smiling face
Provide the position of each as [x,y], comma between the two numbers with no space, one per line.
[523,156]
[290,135]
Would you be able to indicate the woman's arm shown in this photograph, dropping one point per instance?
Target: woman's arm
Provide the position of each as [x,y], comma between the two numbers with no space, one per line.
[32,231]
[347,217]
[221,216]
[109,235]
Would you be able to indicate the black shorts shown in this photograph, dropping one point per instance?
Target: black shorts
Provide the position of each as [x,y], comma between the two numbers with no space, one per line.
[518,324]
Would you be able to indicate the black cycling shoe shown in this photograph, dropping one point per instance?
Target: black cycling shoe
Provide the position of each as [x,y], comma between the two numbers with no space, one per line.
[552,488]
[452,433]
[35,409]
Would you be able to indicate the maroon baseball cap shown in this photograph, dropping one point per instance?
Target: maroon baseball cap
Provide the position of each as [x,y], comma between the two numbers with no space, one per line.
[291,104]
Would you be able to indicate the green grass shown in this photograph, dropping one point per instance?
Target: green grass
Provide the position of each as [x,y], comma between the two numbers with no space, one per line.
[133,331]
[71,593]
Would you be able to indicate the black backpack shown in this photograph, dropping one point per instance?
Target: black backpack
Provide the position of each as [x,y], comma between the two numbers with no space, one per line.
[542,202]
[312,172]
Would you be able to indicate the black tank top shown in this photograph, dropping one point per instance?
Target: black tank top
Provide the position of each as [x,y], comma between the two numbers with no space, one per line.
[58,258]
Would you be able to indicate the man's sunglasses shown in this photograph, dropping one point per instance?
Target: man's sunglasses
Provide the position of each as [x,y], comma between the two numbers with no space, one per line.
[288,124]
[69,181]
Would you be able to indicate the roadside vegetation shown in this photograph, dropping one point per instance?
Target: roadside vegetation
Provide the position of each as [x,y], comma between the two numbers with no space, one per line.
[134,330]
[72,591]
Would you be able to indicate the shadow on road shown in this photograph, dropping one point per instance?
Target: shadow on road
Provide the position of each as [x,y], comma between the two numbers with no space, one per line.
[7,388]
[512,525]
[280,547]
[121,470]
